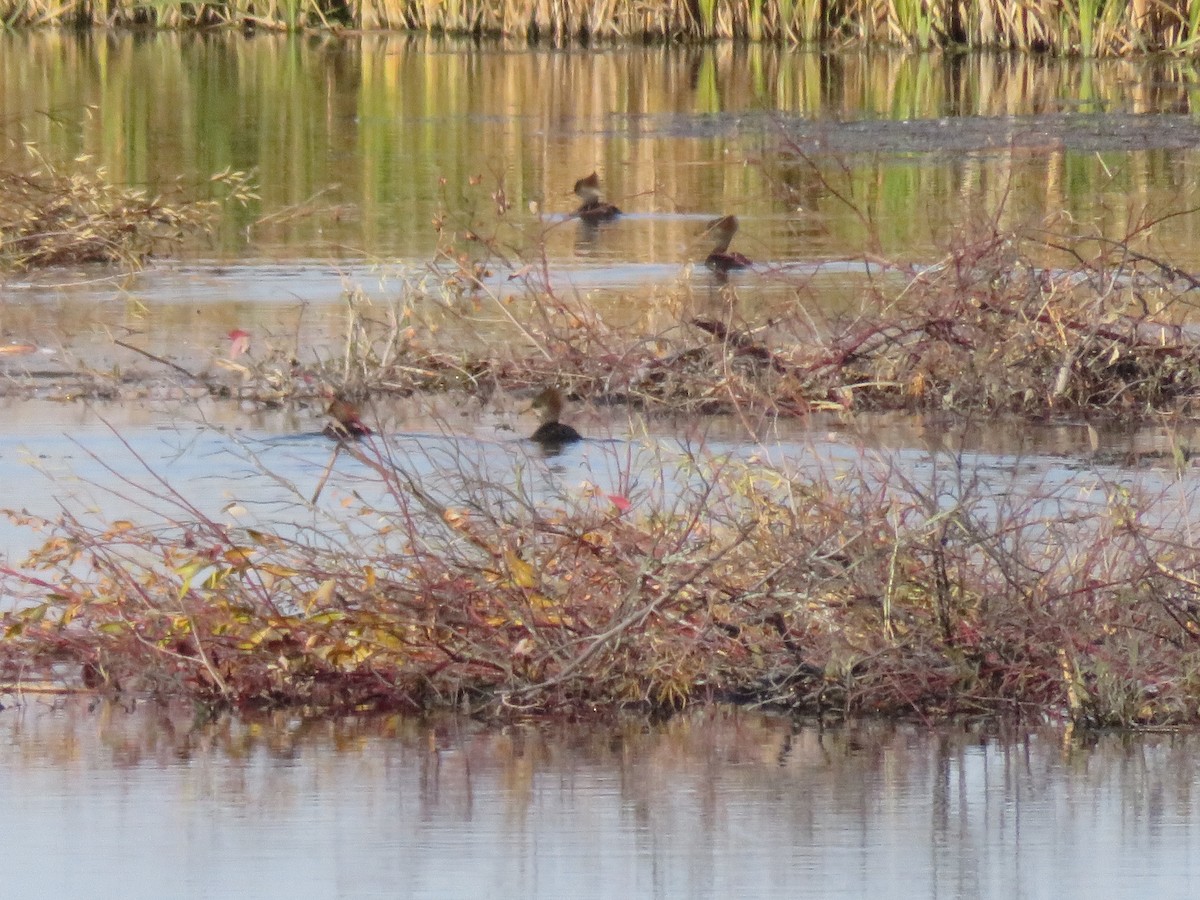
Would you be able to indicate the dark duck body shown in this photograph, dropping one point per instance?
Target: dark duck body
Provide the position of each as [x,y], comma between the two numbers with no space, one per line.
[722,259]
[552,433]
[347,423]
[593,208]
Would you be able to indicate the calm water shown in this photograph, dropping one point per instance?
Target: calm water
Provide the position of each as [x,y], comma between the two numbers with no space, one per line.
[358,147]
[274,470]
[713,804]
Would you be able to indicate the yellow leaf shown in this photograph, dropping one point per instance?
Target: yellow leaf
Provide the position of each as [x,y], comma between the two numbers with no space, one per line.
[323,595]
[35,613]
[328,617]
[187,572]
[260,537]
[261,636]
[349,658]
[523,574]
[277,571]
[388,641]
[238,556]
[217,576]
[363,652]
[189,569]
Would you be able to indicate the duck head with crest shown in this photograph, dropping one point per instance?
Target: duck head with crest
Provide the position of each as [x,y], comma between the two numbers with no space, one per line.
[593,209]
[721,232]
[551,433]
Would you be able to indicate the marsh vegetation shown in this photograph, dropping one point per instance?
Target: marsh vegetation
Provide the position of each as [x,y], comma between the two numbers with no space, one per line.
[1058,26]
[863,590]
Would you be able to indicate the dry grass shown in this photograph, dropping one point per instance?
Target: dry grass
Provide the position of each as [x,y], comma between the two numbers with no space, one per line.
[1086,27]
[55,216]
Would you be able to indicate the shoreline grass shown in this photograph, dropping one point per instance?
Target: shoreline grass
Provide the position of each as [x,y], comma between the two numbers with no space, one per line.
[56,215]
[1060,27]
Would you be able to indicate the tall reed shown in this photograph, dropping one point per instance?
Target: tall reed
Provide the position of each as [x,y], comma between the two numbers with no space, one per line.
[1065,27]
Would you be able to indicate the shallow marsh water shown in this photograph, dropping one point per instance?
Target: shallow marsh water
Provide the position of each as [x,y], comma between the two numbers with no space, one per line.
[358,145]
[263,469]
[716,803]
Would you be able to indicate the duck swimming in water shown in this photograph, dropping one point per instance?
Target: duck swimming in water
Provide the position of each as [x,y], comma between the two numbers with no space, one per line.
[347,421]
[552,434]
[722,231]
[593,209]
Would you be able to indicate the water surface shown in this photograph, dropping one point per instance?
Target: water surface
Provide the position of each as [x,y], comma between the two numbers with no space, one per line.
[712,804]
[374,157]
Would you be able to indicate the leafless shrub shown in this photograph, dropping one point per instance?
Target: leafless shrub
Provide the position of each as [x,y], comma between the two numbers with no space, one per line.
[836,595]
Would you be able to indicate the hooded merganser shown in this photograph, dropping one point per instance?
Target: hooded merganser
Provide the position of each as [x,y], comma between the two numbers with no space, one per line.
[552,433]
[722,231]
[347,422]
[593,208]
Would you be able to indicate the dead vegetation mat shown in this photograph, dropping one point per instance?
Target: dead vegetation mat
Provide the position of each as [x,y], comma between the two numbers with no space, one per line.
[867,593]
[53,214]
[852,595]
[990,329]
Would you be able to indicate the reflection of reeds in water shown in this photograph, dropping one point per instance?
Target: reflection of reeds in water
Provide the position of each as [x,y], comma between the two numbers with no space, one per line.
[270,109]
[1089,27]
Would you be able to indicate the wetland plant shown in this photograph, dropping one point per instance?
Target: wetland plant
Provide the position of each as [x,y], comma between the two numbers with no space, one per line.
[1083,27]
[55,216]
[692,578]
[863,590]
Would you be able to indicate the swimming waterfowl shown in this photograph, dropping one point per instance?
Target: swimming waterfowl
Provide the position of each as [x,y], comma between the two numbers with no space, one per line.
[593,208]
[552,433]
[347,421]
[722,231]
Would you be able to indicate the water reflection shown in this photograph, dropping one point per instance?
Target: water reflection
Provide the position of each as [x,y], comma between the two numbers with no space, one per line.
[351,138]
[718,803]
[361,145]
